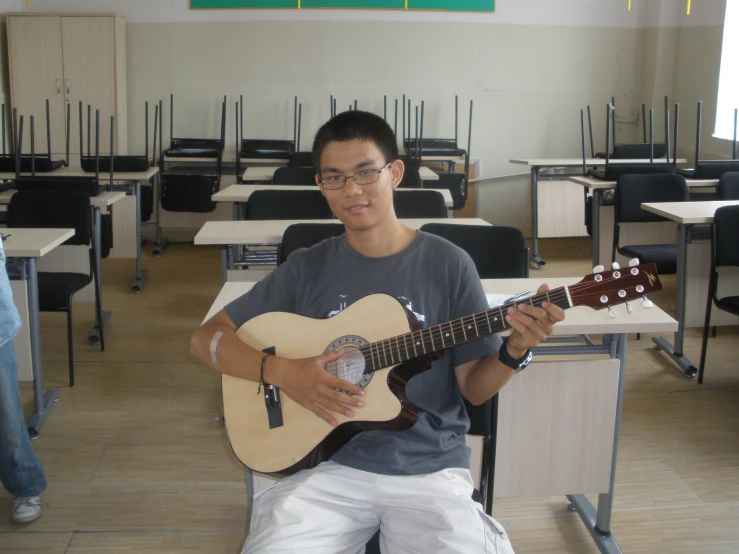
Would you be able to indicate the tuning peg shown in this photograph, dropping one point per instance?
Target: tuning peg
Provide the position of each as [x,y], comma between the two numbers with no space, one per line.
[646,303]
[629,309]
[598,269]
[633,262]
[611,313]
[615,265]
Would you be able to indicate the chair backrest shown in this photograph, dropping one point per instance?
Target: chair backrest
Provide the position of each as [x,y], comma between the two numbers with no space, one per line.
[53,209]
[410,161]
[498,252]
[614,171]
[189,193]
[714,169]
[638,151]
[294,176]
[411,178]
[301,159]
[305,235]
[633,190]
[88,185]
[287,204]
[725,234]
[419,204]
[728,186]
[457,186]
[267,149]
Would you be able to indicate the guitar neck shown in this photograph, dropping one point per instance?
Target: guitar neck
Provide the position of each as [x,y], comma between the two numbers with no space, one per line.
[434,339]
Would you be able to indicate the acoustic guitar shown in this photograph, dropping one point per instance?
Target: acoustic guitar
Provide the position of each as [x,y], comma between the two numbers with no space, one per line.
[385,347]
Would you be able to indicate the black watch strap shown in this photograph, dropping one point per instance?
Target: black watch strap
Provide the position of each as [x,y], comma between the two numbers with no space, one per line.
[515,364]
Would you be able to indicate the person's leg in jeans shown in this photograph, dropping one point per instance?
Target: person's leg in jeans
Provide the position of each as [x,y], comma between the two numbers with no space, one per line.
[20,469]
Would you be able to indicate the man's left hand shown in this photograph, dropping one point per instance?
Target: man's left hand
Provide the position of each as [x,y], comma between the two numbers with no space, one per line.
[531,325]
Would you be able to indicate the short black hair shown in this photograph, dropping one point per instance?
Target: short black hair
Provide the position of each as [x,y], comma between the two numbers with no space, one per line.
[355,125]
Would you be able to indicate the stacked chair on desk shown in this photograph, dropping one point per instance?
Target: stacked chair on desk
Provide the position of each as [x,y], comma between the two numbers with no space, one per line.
[633,150]
[711,169]
[60,209]
[37,163]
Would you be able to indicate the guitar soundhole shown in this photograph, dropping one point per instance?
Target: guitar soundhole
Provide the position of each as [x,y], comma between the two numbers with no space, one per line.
[350,367]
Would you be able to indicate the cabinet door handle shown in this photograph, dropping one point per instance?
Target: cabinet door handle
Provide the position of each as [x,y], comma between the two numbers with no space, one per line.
[58,86]
[67,81]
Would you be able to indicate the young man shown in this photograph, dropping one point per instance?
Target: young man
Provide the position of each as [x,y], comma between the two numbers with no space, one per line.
[414,485]
[20,468]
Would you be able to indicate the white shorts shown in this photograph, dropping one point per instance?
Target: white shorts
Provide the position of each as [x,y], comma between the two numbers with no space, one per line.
[334,509]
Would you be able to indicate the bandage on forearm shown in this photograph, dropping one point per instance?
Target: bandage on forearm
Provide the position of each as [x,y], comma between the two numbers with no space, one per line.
[213,345]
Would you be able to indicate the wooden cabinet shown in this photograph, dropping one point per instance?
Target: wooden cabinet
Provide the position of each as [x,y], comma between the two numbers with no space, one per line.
[67,59]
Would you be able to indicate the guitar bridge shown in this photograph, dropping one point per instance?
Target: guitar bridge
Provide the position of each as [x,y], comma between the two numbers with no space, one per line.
[272,399]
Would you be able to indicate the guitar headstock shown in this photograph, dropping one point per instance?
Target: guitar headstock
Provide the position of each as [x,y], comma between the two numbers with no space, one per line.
[603,289]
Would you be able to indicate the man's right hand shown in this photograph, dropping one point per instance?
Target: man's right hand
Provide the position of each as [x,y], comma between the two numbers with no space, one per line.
[307,382]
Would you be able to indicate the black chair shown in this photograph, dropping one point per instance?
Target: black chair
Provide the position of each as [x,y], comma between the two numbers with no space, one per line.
[498,252]
[724,253]
[636,151]
[483,423]
[301,159]
[612,172]
[456,183]
[189,192]
[710,169]
[305,235]
[59,209]
[728,186]
[294,176]
[411,178]
[410,161]
[263,149]
[287,204]
[419,204]
[631,193]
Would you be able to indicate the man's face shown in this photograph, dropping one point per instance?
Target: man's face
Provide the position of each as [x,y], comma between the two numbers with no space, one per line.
[359,207]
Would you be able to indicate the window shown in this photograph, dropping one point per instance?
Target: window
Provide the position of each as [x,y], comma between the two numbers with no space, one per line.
[728,82]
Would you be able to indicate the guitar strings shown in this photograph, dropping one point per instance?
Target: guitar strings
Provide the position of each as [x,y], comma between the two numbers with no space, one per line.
[456,325]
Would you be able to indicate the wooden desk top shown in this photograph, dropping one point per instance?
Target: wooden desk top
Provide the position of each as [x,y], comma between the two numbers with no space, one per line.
[265,173]
[241,193]
[271,231]
[579,320]
[577,162]
[102,200]
[77,172]
[593,183]
[33,243]
[688,212]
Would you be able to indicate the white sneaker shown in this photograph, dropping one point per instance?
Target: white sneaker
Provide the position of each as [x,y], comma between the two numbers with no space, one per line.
[26,510]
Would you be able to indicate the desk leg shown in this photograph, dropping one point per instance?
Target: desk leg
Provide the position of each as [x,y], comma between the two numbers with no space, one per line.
[599,523]
[676,352]
[225,255]
[161,243]
[535,219]
[42,403]
[595,226]
[138,281]
[94,337]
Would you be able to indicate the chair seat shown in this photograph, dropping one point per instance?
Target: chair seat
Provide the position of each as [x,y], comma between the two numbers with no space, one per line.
[664,255]
[729,304]
[55,289]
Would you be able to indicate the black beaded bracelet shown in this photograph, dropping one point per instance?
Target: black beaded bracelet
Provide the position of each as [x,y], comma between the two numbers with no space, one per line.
[261,374]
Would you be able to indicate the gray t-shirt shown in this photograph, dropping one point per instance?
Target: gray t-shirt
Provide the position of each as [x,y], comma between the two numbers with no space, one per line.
[435,280]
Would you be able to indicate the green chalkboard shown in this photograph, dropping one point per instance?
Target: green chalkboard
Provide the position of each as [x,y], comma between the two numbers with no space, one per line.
[443,5]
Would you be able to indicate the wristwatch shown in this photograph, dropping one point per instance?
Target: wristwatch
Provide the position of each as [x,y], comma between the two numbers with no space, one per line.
[515,364]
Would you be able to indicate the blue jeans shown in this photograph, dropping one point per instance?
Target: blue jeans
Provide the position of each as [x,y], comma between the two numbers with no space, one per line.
[20,469]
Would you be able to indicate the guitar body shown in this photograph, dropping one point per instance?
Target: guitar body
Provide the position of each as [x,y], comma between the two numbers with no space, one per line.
[299,439]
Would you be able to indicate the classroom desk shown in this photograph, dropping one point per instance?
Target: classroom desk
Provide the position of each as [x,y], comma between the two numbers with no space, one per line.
[686,215]
[131,183]
[262,174]
[568,447]
[239,194]
[536,165]
[229,234]
[28,245]
[605,236]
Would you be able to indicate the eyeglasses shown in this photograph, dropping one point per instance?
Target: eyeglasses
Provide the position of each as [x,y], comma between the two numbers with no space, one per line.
[364,177]
[5,237]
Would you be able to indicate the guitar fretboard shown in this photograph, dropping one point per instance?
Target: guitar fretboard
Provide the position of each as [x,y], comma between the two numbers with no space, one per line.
[399,349]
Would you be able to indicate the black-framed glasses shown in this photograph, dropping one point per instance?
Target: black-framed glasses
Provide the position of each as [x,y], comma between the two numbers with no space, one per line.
[364,177]
[5,237]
